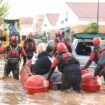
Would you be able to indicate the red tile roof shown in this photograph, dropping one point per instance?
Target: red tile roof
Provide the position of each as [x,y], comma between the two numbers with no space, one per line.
[87,10]
[26,20]
[52,18]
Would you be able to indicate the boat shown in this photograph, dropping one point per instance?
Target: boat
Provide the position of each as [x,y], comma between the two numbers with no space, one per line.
[33,83]
[38,84]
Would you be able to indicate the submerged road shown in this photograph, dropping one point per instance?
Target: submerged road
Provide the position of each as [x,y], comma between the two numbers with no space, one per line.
[13,93]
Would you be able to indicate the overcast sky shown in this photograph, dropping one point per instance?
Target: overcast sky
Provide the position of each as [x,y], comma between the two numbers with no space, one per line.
[25,8]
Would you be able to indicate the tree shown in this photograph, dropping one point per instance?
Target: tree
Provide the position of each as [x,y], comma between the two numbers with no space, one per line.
[4,8]
[91,28]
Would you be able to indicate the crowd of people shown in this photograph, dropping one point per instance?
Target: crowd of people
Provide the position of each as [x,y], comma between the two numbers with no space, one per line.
[61,65]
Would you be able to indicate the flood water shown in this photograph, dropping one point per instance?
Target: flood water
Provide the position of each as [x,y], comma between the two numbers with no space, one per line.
[12,93]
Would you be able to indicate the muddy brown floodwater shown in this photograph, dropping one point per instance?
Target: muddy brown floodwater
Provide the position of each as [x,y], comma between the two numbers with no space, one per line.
[13,93]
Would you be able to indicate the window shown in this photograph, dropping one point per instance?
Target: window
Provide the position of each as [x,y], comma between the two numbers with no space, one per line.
[8,23]
[84,48]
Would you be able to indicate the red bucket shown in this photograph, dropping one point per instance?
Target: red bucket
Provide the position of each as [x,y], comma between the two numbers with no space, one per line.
[36,84]
[90,84]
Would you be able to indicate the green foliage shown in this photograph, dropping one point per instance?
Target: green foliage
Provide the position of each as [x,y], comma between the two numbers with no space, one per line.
[91,28]
[4,8]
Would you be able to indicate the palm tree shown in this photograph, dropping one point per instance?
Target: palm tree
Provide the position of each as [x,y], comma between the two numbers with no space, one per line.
[4,8]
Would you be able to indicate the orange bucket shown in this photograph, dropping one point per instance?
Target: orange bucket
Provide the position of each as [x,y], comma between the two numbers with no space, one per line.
[36,84]
[90,84]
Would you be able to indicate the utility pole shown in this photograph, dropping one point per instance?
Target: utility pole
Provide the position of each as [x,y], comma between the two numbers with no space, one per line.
[97,16]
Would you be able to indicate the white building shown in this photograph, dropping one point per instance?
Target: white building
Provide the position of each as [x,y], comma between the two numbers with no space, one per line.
[75,15]
[27,25]
[62,19]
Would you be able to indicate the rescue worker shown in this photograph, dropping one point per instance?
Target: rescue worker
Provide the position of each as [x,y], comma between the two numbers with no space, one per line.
[29,46]
[60,38]
[95,54]
[100,68]
[69,66]
[41,68]
[13,51]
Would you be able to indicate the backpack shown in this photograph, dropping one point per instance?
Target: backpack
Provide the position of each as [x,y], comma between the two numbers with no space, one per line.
[66,59]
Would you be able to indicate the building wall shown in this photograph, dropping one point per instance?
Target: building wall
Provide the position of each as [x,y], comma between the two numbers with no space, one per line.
[26,29]
[47,26]
[80,28]
[38,24]
[67,18]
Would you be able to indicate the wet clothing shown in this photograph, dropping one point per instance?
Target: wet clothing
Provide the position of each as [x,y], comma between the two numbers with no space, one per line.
[70,68]
[102,59]
[30,47]
[14,67]
[71,78]
[56,76]
[42,64]
[12,59]
[100,68]
[94,56]
[42,67]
